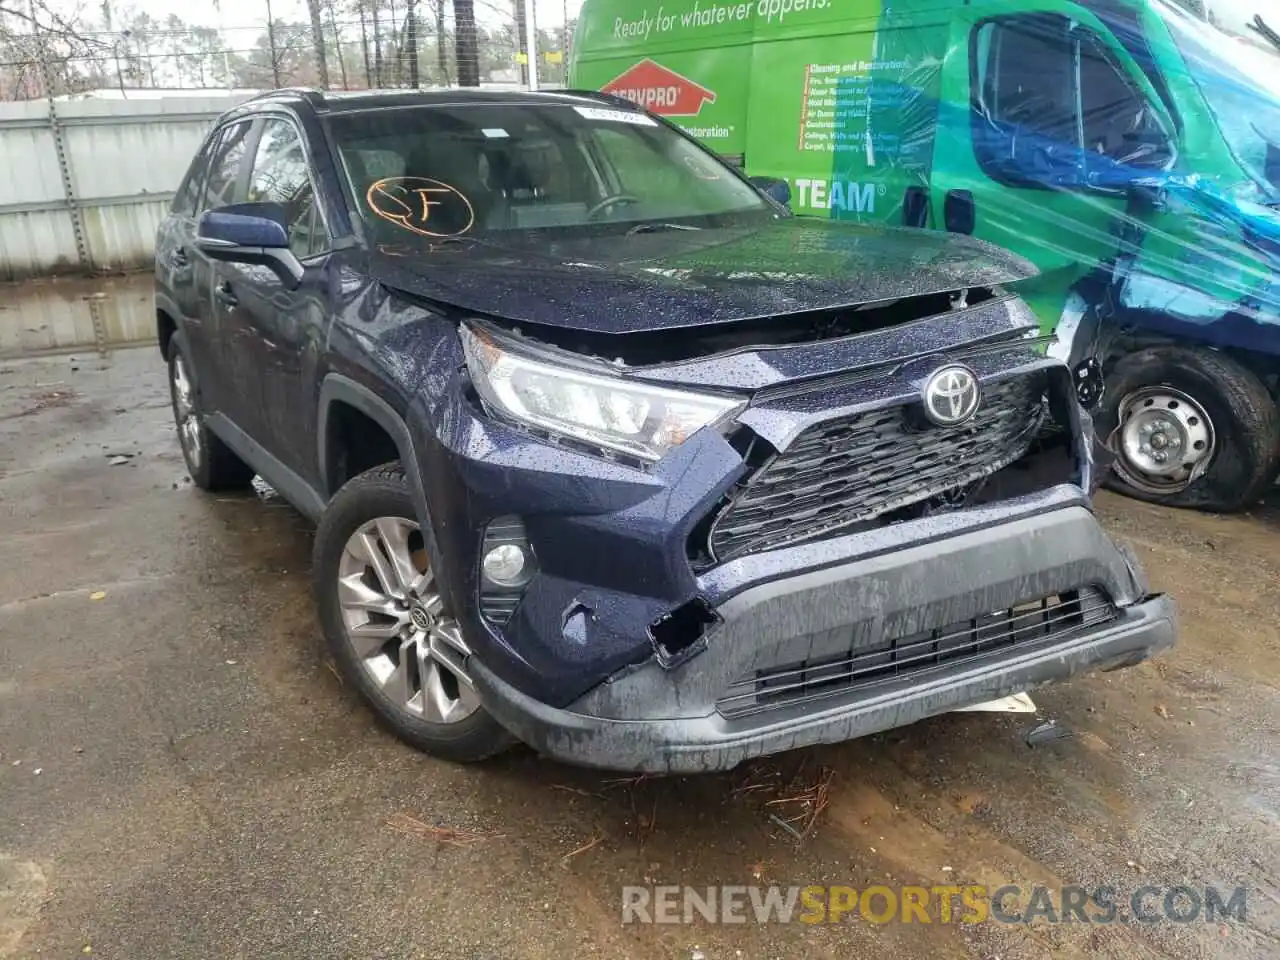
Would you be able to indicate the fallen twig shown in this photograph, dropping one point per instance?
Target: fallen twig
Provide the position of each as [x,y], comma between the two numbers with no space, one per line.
[403,823]
[812,801]
[786,826]
[564,861]
[578,790]
[624,781]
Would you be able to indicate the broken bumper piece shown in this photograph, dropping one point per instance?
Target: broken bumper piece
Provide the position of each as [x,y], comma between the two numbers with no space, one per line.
[862,647]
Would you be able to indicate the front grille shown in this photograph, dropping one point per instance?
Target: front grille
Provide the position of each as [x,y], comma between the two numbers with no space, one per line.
[848,471]
[916,656]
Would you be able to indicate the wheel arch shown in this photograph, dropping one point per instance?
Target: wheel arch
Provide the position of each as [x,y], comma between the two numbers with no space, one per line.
[1129,331]
[338,391]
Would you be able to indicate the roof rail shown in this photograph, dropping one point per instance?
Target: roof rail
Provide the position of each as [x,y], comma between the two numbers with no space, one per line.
[310,94]
[600,95]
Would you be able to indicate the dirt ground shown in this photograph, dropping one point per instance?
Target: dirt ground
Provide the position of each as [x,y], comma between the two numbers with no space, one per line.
[181,775]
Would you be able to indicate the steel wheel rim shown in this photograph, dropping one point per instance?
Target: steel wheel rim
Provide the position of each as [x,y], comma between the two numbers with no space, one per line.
[1165,440]
[396,625]
[185,414]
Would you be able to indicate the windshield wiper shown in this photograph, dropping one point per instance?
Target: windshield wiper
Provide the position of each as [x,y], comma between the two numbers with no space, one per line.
[655,227]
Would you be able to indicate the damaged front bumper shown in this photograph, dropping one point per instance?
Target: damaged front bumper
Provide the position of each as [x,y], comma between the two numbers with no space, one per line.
[1009,601]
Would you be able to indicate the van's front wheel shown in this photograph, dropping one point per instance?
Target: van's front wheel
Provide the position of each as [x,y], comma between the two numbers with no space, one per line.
[1189,428]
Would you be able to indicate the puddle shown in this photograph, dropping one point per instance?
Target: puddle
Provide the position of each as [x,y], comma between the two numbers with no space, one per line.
[56,314]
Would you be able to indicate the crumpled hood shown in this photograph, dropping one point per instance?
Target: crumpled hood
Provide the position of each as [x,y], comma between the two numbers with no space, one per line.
[673,279]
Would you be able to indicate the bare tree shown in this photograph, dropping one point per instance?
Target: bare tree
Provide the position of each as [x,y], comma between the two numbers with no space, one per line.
[411,41]
[364,44]
[522,45]
[48,53]
[466,43]
[317,41]
[337,46]
[442,49]
[377,45]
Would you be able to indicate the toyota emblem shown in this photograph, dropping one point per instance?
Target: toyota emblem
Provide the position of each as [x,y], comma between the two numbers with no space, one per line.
[951,395]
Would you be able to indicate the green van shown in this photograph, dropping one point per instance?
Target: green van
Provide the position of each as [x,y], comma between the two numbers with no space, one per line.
[1129,148]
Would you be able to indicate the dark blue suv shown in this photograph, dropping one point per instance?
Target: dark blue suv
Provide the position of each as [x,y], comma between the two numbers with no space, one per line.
[612,454]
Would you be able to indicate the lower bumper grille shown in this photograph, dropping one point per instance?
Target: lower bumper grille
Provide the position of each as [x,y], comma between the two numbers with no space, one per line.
[919,655]
[845,472]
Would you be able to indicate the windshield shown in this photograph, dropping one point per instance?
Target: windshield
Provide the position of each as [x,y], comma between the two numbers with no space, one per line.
[466,169]
[1230,53]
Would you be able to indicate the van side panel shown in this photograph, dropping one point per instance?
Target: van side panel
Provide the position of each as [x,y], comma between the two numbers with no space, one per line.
[809,95]
[838,97]
[686,60]
[900,95]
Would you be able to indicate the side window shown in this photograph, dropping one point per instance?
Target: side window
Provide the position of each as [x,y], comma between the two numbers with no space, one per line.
[223,185]
[1050,102]
[279,175]
[1118,123]
[187,199]
[1026,67]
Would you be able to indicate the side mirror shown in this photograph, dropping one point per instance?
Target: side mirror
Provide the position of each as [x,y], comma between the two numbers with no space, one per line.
[253,233]
[774,188]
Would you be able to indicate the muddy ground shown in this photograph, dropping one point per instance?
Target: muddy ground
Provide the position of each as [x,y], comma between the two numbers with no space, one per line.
[181,775]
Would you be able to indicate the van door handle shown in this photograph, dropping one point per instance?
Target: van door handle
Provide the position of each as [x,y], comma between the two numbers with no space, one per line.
[225,295]
[960,212]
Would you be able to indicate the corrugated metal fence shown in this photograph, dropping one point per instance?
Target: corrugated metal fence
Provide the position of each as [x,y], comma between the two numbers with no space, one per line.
[89,180]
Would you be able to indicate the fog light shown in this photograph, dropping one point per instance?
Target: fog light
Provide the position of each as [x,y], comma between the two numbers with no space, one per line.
[507,565]
[504,565]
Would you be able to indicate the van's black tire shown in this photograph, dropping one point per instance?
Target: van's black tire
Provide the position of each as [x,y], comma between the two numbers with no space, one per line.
[219,468]
[1245,418]
[384,492]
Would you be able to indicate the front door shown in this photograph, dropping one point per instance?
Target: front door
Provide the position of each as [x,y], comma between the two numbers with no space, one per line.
[278,330]
[1060,120]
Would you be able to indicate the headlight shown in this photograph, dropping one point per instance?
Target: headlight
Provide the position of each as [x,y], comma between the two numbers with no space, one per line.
[598,408]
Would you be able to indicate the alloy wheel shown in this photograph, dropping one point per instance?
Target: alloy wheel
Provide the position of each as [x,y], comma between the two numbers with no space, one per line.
[396,624]
[185,413]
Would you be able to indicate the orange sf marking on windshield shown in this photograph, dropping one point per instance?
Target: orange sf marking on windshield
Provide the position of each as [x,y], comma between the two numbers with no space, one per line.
[409,202]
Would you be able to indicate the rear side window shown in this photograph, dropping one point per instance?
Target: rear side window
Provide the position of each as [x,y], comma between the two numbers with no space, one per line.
[280,175]
[187,199]
[224,185]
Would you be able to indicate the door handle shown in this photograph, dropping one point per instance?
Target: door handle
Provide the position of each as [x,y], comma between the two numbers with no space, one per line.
[225,295]
[960,212]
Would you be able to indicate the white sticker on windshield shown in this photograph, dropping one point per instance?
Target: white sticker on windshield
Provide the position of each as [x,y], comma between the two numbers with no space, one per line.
[616,116]
[495,133]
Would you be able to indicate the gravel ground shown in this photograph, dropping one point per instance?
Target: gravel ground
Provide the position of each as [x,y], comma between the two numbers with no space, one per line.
[182,774]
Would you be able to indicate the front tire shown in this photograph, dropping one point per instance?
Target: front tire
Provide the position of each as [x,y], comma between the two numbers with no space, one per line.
[1189,428]
[386,625]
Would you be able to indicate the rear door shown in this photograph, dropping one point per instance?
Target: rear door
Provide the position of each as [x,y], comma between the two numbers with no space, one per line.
[1060,119]
[175,271]
[222,386]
